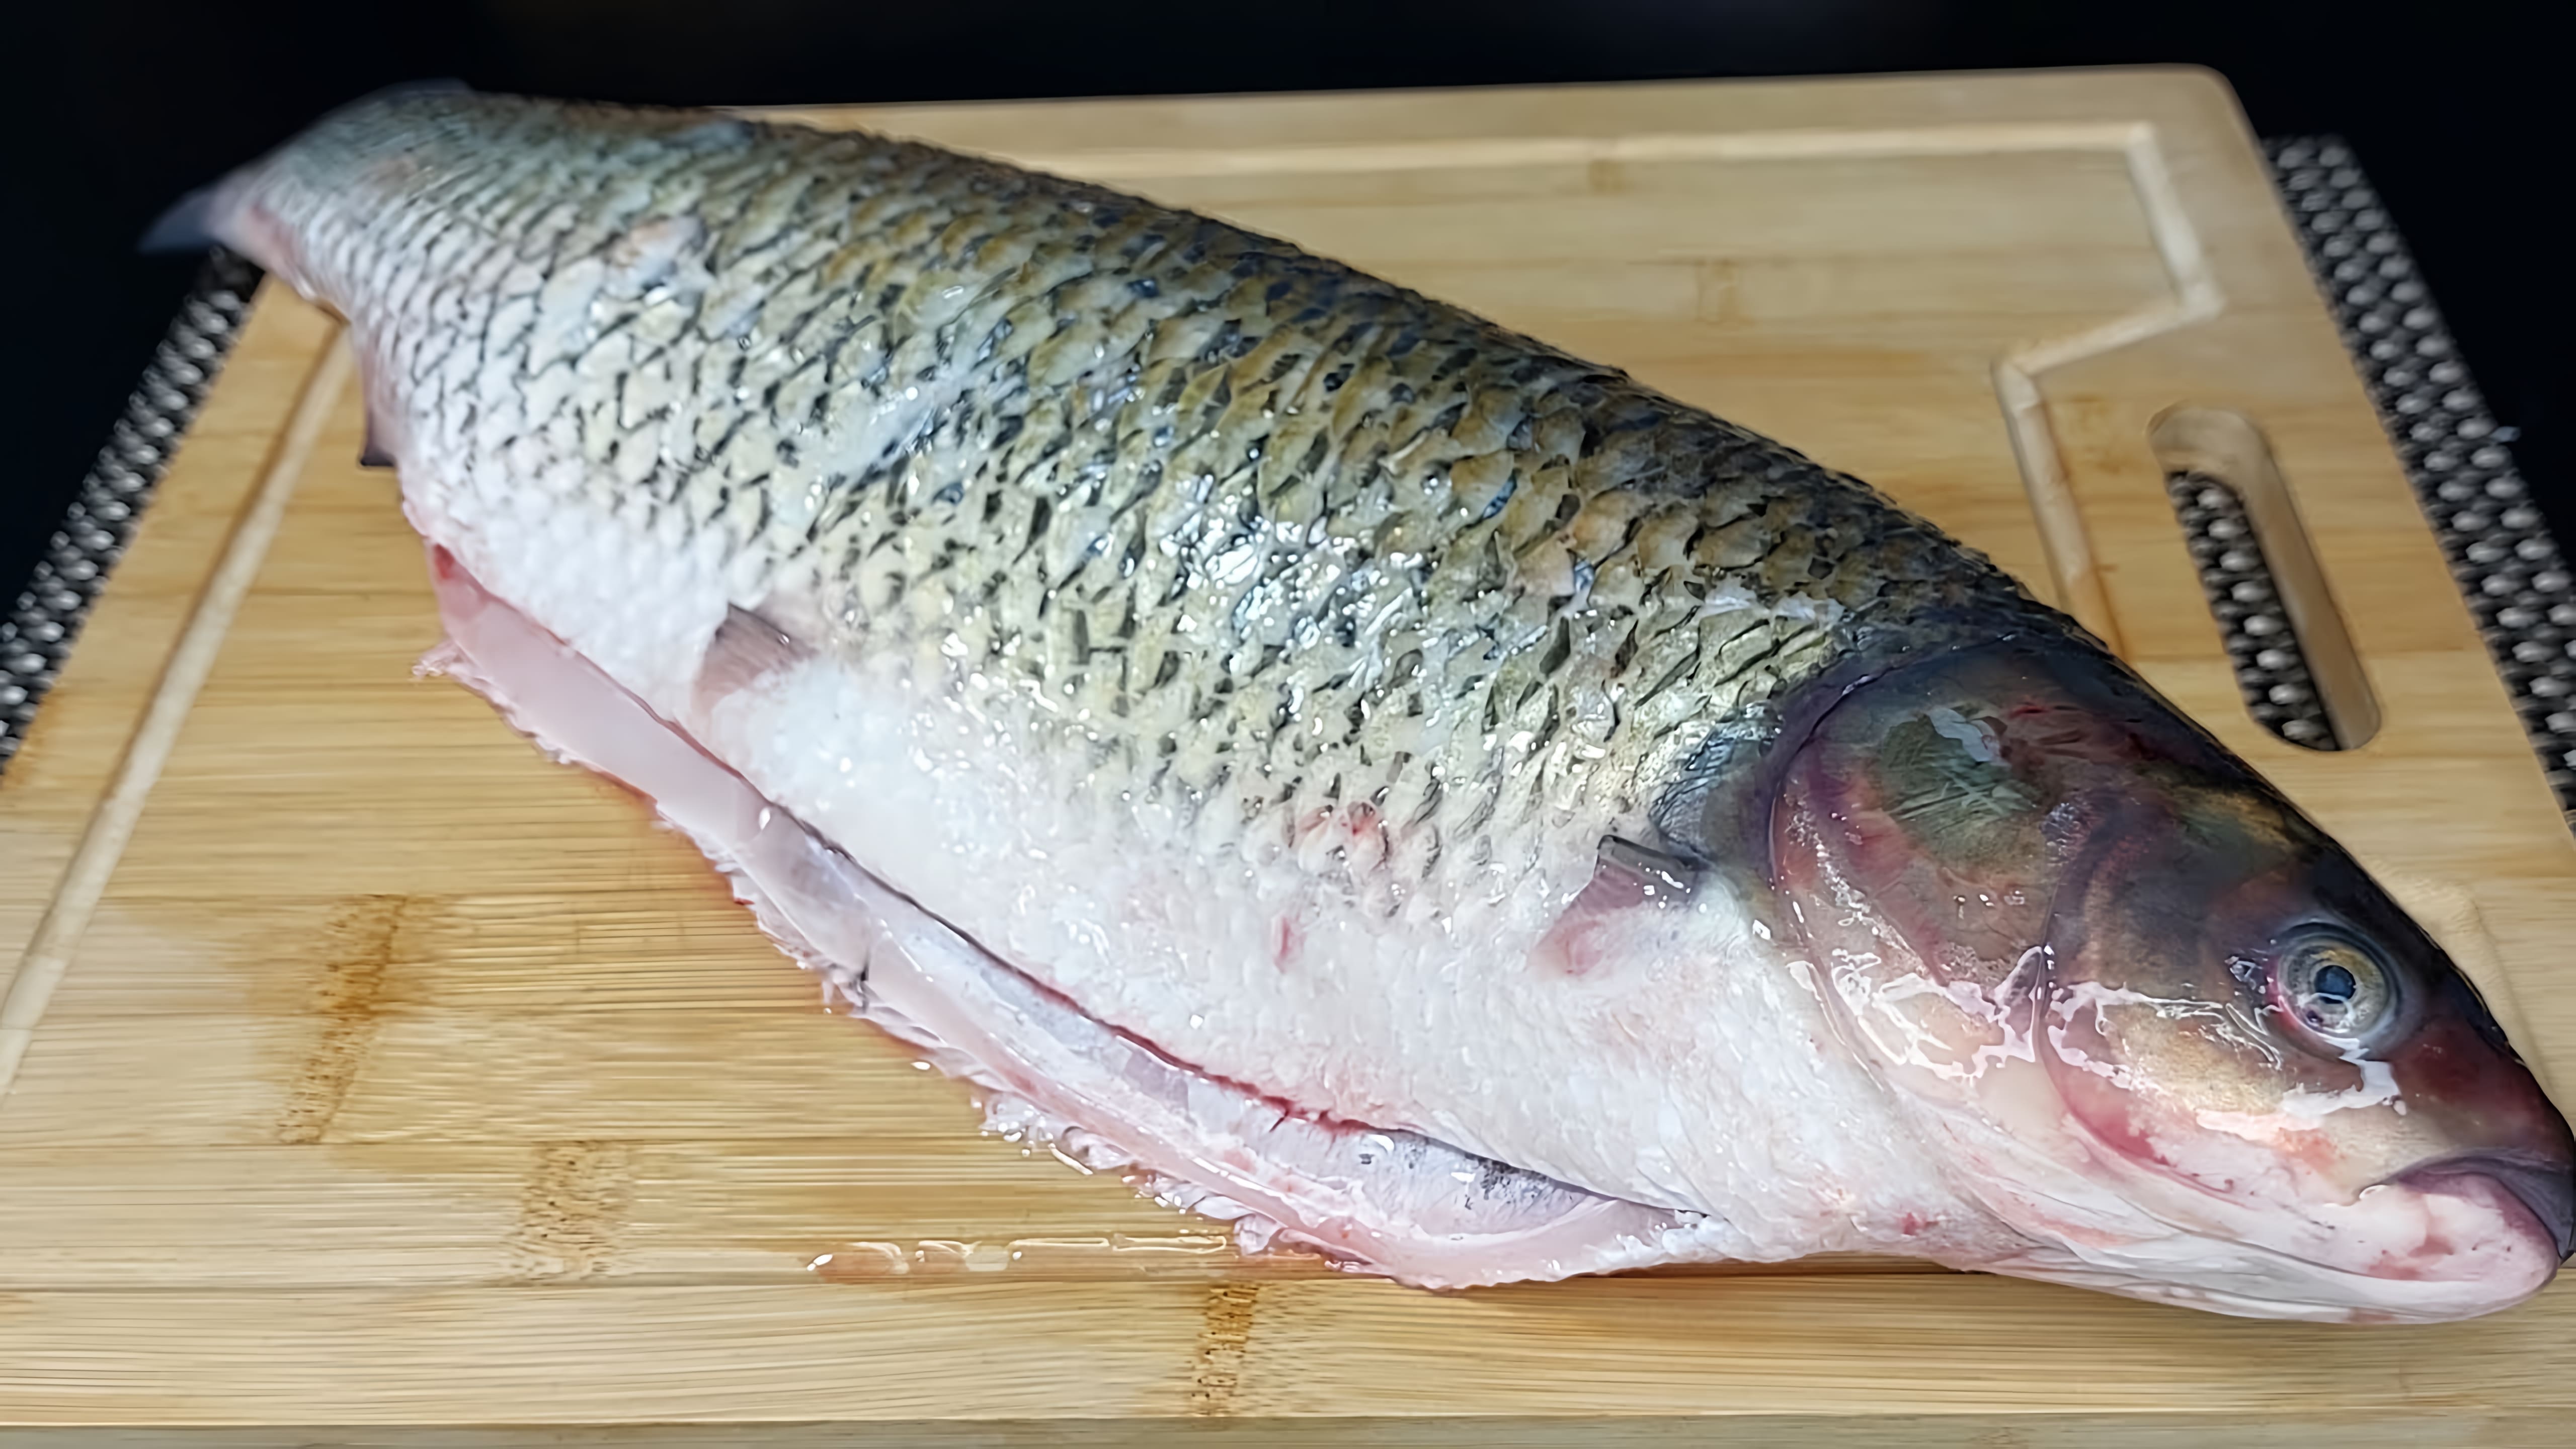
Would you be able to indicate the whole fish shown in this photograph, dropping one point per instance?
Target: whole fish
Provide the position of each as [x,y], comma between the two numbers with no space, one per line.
[1401,788]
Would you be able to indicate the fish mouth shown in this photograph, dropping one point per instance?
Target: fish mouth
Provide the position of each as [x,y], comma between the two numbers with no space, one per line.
[2545,1189]
[2454,1238]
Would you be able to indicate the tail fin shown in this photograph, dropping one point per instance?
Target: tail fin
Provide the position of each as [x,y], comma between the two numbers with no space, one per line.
[188,226]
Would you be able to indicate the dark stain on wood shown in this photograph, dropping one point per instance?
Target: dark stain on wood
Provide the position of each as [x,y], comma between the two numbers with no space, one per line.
[1225,1340]
[572,1210]
[358,945]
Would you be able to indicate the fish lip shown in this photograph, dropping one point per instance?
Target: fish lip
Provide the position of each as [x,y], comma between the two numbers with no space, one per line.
[2545,1187]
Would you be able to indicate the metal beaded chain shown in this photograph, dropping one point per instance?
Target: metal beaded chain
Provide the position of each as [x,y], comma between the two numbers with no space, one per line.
[2517,583]
[2270,669]
[2508,567]
[37,636]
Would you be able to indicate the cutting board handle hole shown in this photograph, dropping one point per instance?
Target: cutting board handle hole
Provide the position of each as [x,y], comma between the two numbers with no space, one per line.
[2294,659]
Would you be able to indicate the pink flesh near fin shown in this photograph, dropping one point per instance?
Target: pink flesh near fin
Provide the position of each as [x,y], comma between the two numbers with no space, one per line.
[1389,1202]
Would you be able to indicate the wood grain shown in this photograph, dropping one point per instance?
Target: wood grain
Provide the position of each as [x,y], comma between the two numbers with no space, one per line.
[30,989]
[395,1085]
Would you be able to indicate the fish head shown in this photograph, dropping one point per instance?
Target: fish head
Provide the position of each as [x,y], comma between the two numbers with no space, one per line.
[2166,1030]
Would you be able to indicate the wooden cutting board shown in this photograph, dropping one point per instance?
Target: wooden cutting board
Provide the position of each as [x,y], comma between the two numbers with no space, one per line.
[365,1070]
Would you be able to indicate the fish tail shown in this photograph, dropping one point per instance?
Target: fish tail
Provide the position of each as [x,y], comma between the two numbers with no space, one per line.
[197,221]
[188,226]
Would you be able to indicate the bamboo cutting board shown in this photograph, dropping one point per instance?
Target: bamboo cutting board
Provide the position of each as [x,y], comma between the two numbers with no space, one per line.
[370,1079]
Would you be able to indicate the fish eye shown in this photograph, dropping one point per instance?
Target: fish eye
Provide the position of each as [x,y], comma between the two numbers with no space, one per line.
[2335,990]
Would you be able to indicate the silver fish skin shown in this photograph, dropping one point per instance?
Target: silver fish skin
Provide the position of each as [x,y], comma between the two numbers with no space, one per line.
[1326,691]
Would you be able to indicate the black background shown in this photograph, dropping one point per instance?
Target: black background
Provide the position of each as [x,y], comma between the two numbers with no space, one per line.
[125,104]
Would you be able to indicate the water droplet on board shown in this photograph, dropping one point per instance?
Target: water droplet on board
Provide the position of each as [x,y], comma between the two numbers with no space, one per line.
[1113,1255]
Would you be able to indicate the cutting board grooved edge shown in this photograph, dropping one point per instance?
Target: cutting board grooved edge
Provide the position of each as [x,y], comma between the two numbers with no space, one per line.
[30,987]
[1460,153]
[2196,298]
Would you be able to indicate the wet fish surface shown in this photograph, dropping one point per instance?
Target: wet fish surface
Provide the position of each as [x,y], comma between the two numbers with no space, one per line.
[1395,786]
